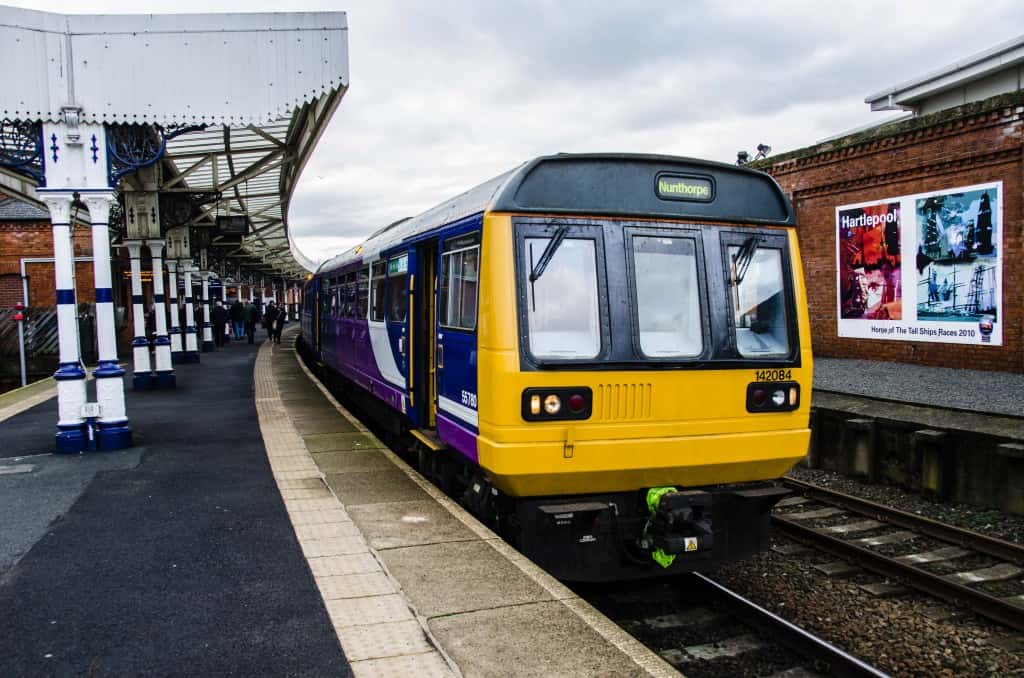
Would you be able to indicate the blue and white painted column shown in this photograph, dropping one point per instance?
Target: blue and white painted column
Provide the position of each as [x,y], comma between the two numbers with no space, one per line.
[191,337]
[208,344]
[72,434]
[252,291]
[177,348]
[164,373]
[112,431]
[143,377]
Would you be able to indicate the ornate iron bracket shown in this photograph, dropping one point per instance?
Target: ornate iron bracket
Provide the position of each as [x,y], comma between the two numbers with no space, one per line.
[133,147]
[22,149]
[179,209]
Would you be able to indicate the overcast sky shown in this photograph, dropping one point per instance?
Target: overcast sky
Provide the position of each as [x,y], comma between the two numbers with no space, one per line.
[445,95]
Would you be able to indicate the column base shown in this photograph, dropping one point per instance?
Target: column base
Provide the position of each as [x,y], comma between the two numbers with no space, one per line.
[143,381]
[114,436]
[164,379]
[178,357]
[191,357]
[72,439]
[208,346]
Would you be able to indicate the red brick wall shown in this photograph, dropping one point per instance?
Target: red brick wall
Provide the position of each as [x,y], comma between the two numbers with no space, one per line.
[971,145]
[28,239]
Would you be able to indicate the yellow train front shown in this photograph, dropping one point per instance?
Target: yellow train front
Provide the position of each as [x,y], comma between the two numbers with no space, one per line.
[644,363]
[605,357]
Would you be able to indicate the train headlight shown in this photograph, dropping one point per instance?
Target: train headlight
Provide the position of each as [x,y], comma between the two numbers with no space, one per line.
[773,396]
[557,404]
[552,404]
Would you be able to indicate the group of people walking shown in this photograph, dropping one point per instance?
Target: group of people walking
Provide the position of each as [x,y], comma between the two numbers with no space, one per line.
[244,319]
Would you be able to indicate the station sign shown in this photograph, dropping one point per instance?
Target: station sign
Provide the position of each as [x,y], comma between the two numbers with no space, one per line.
[684,187]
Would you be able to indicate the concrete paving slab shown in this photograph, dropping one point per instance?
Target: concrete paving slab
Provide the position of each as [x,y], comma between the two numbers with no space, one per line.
[347,440]
[408,523]
[332,424]
[334,442]
[379,487]
[444,579]
[390,639]
[426,665]
[352,461]
[536,639]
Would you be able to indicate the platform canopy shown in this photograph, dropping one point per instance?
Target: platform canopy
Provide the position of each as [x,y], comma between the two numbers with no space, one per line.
[238,100]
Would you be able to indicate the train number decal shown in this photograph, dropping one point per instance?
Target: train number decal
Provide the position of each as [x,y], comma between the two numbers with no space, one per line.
[469,399]
[773,375]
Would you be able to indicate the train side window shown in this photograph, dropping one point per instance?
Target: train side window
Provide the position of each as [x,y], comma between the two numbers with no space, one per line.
[562,303]
[378,282]
[757,290]
[667,296]
[348,296]
[398,297]
[333,293]
[460,276]
[362,293]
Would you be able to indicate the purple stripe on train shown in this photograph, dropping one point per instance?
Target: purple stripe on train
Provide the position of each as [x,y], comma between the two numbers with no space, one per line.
[459,437]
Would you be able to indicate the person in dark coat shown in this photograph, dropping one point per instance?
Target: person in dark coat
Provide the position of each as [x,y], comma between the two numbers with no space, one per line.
[269,316]
[252,316]
[219,317]
[237,315]
[279,321]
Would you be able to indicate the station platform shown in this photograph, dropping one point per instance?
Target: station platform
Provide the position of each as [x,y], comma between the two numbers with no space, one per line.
[256,528]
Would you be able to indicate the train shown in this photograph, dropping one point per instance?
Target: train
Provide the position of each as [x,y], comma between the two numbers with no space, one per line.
[604,357]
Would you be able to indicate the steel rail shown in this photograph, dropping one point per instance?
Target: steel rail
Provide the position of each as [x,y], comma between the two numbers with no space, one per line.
[982,603]
[802,642]
[997,548]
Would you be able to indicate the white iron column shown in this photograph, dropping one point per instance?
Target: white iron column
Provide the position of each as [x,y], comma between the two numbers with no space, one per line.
[112,429]
[252,292]
[172,308]
[164,370]
[143,377]
[72,436]
[191,339]
[207,326]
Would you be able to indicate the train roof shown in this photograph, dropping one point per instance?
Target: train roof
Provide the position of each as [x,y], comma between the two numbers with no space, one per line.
[605,184]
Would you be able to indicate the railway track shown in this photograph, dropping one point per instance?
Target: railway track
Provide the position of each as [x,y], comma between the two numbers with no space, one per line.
[967,569]
[704,630]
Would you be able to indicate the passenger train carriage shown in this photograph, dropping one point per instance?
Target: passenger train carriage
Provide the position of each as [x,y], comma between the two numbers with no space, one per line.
[606,357]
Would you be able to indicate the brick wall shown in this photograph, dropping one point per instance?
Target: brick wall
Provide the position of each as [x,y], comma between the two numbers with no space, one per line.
[29,239]
[973,144]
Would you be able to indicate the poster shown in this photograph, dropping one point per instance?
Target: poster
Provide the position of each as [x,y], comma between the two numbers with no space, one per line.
[924,267]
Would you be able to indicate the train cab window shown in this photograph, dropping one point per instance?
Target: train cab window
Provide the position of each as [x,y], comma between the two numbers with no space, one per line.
[378,282]
[460,273]
[362,293]
[667,296]
[562,307]
[398,297]
[757,291]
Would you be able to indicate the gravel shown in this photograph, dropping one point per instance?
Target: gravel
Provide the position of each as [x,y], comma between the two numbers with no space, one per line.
[894,634]
[987,521]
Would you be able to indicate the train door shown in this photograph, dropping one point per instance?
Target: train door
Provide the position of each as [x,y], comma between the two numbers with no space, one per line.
[458,284]
[423,334]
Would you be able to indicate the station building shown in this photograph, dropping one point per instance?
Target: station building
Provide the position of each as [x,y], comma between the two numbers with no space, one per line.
[911,230]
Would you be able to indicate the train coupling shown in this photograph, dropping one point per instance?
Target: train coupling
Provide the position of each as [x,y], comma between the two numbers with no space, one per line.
[679,522]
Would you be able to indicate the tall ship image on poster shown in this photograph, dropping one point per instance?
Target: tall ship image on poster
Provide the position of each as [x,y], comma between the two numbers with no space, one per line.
[923,267]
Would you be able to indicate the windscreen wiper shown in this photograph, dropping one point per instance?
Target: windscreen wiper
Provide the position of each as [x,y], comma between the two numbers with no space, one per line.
[548,253]
[745,256]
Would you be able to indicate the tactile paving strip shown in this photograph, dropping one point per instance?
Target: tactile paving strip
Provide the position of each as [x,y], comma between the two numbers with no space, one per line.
[377,630]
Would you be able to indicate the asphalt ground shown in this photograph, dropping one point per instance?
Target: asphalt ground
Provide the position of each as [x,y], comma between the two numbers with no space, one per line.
[173,558]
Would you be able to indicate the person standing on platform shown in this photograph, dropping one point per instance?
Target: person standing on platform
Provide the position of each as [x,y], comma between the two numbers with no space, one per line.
[279,325]
[252,316]
[219,317]
[237,314]
[269,318]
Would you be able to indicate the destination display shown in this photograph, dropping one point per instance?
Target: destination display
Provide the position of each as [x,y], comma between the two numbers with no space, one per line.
[684,187]
[923,267]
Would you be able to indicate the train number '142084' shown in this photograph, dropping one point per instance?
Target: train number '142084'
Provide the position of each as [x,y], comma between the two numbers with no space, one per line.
[773,375]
